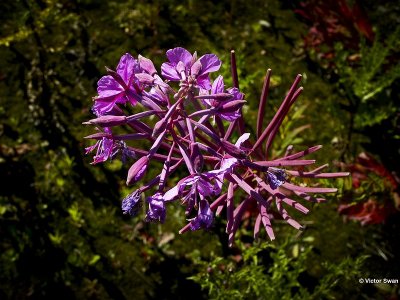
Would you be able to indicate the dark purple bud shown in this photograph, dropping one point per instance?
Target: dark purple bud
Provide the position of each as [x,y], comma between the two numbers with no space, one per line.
[98,136]
[131,203]
[137,170]
[107,121]
[203,112]
[232,149]
[147,65]
[196,157]
[218,97]
[231,106]
[196,68]
[159,127]
[145,78]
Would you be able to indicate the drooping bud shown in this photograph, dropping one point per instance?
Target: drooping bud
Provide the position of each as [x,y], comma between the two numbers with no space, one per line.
[147,65]
[107,121]
[137,170]
[130,204]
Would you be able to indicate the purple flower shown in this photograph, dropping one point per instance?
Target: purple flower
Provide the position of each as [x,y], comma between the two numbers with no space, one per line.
[183,66]
[204,217]
[130,204]
[107,148]
[118,87]
[228,163]
[156,212]
[205,184]
[218,87]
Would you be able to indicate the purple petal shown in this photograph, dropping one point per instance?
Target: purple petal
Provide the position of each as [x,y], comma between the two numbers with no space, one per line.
[102,107]
[203,81]
[126,68]
[244,137]
[107,87]
[237,95]
[147,65]
[171,194]
[179,54]
[204,218]
[230,116]
[209,63]
[218,85]
[169,72]
[157,211]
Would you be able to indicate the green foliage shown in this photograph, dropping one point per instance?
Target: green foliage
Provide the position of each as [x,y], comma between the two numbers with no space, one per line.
[367,82]
[268,271]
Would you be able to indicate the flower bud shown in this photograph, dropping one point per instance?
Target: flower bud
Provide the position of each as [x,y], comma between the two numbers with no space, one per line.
[107,121]
[158,128]
[98,136]
[231,106]
[137,170]
[218,96]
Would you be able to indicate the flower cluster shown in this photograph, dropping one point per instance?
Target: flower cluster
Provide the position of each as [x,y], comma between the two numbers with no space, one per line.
[190,121]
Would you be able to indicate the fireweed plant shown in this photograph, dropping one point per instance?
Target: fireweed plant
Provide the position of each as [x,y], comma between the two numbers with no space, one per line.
[195,120]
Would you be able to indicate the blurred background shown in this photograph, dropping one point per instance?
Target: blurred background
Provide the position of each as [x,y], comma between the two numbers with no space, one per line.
[62,232]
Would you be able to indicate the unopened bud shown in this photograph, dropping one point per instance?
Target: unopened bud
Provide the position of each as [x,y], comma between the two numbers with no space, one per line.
[137,170]
[231,106]
[98,136]
[218,97]
[107,121]
[158,128]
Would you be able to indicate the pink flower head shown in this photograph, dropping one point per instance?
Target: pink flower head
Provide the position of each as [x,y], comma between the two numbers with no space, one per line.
[183,66]
[118,87]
